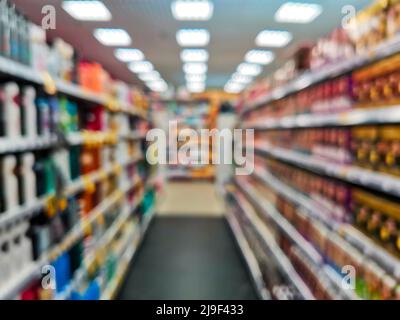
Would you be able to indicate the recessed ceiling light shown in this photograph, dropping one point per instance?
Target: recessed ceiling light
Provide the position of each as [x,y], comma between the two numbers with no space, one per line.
[158,86]
[239,78]
[192,9]
[149,76]
[129,55]
[196,87]
[273,38]
[195,77]
[249,69]
[87,10]
[141,66]
[195,68]
[232,87]
[295,12]
[194,55]
[263,57]
[112,37]
[193,37]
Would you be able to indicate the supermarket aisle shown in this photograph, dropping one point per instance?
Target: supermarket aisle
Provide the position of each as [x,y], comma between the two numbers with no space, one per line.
[190,198]
[188,258]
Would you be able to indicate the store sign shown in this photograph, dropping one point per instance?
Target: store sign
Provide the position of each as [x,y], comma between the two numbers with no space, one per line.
[202,147]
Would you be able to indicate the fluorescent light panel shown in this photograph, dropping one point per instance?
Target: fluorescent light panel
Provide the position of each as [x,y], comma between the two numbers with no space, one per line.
[140,66]
[273,38]
[296,12]
[195,68]
[194,55]
[149,76]
[158,86]
[87,10]
[129,55]
[195,77]
[263,57]
[249,69]
[112,37]
[232,87]
[192,9]
[239,78]
[193,37]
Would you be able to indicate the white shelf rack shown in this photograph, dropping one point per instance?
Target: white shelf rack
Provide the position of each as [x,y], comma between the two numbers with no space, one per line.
[286,227]
[27,73]
[126,255]
[355,117]
[13,287]
[249,257]
[280,257]
[383,258]
[333,70]
[363,177]
[29,210]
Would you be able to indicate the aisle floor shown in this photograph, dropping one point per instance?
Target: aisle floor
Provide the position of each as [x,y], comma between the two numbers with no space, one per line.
[190,198]
[188,258]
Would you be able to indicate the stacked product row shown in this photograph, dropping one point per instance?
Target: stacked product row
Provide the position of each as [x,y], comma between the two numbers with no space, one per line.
[191,117]
[75,194]
[23,43]
[327,159]
[373,28]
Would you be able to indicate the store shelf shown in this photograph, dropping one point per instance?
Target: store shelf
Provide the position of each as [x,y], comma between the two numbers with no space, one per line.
[315,211]
[21,144]
[133,136]
[29,210]
[272,214]
[269,241]
[363,177]
[22,279]
[26,73]
[364,116]
[287,228]
[333,70]
[126,257]
[12,145]
[249,257]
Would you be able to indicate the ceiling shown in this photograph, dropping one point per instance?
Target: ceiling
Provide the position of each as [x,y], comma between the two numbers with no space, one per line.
[233,28]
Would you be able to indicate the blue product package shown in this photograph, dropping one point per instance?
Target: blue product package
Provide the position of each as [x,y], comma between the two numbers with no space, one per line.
[92,292]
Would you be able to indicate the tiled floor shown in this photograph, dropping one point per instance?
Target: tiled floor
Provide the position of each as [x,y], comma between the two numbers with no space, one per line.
[190,199]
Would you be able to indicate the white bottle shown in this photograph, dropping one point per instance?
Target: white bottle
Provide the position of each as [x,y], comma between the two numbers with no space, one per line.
[25,251]
[10,182]
[5,257]
[61,157]
[12,111]
[30,112]
[28,160]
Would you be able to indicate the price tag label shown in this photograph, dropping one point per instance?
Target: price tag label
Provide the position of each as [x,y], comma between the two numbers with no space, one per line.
[87,228]
[117,169]
[51,206]
[101,256]
[62,204]
[103,176]
[91,267]
[100,220]
[49,84]
[88,185]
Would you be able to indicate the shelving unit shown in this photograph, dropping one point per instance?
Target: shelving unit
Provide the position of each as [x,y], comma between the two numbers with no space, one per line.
[194,115]
[384,50]
[363,177]
[287,137]
[122,205]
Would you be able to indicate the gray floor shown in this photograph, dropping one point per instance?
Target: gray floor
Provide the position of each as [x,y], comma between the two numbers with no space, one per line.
[188,258]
